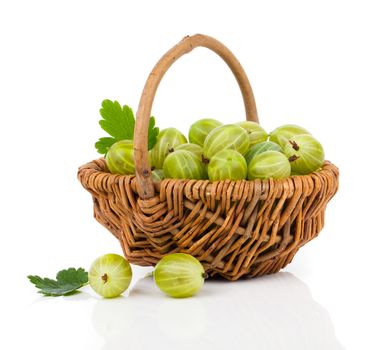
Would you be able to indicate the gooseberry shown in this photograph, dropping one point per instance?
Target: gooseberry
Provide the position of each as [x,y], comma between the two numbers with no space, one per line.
[227,164]
[256,133]
[110,275]
[120,158]
[195,149]
[228,136]
[281,134]
[183,165]
[200,129]
[269,164]
[179,275]
[260,148]
[157,175]
[305,154]
[167,139]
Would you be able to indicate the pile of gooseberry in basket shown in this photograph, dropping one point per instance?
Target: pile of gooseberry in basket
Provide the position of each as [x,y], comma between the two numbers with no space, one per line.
[239,151]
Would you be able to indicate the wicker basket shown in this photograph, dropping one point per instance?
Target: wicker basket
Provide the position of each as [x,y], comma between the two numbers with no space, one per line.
[235,228]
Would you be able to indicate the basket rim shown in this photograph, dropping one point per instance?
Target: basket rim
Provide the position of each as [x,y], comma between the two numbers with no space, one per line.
[97,167]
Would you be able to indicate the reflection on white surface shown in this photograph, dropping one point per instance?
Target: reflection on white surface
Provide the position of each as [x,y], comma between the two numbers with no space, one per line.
[181,321]
[272,312]
[112,319]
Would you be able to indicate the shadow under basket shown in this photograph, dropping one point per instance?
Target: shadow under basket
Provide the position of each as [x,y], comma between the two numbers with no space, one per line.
[234,228]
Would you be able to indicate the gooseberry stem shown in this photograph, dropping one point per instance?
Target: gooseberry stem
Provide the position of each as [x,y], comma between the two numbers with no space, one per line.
[104,278]
[204,275]
[295,146]
[204,160]
[293,158]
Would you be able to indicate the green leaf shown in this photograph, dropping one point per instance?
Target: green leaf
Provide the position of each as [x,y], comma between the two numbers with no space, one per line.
[153,133]
[104,144]
[117,121]
[67,281]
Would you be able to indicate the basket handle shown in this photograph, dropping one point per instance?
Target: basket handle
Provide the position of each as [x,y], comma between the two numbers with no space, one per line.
[187,44]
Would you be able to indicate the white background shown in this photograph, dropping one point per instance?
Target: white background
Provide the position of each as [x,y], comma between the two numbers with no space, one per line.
[312,63]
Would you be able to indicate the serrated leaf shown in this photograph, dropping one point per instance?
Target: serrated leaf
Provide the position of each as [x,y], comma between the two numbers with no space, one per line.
[152,134]
[67,281]
[117,121]
[72,275]
[104,144]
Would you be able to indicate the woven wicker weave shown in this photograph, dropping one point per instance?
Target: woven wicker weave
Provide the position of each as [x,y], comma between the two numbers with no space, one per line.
[235,228]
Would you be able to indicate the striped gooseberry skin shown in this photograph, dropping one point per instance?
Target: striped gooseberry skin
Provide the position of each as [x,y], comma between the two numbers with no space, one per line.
[256,133]
[195,149]
[229,136]
[270,164]
[157,175]
[179,275]
[283,133]
[227,164]
[200,130]
[110,275]
[183,165]
[120,158]
[305,154]
[260,148]
[167,139]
